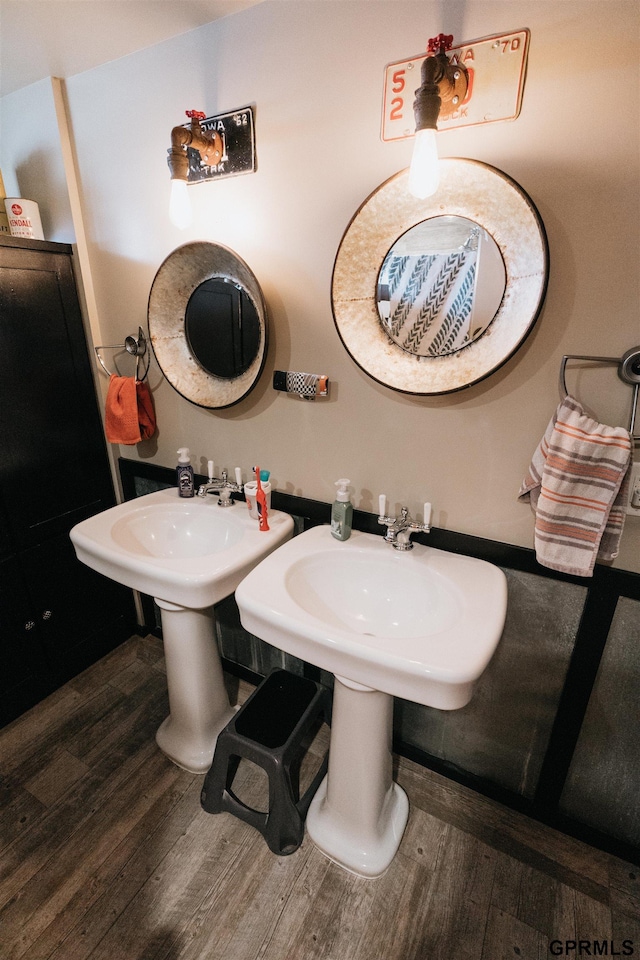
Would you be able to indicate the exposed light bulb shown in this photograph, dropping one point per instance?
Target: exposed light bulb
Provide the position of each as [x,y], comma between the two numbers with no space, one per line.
[424,175]
[180,212]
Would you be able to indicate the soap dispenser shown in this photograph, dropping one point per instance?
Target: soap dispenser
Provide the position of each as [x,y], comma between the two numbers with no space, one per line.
[184,472]
[341,512]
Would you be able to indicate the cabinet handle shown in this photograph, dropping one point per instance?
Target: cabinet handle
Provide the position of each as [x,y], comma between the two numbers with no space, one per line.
[30,624]
[47,614]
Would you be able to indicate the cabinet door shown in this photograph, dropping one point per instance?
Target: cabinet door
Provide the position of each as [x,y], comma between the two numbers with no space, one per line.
[6,546]
[54,468]
[23,664]
[79,614]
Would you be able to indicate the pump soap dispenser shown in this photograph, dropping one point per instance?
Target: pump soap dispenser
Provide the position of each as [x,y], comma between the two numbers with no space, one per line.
[341,512]
[184,472]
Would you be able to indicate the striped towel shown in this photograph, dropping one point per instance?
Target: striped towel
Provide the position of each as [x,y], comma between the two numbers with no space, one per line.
[577,485]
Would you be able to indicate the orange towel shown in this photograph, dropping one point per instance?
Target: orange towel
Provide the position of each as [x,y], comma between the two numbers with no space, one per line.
[129,413]
[146,412]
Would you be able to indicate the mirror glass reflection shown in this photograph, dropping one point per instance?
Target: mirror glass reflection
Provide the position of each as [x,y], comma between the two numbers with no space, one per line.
[440,286]
[222,328]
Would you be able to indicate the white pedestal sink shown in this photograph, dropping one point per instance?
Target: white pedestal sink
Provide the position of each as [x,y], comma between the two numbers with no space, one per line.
[421,625]
[189,554]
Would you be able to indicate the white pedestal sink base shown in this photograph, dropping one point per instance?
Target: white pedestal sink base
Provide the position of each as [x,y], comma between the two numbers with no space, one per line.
[358,815]
[198,700]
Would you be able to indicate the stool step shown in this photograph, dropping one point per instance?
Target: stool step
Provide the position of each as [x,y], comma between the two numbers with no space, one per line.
[272,713]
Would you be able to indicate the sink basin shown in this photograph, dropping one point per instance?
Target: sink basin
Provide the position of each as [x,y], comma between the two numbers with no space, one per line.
[186,551]
[189,554]
[421,624]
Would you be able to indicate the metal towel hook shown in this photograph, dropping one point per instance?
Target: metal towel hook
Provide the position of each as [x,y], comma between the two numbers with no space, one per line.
[628,370]
[135,347]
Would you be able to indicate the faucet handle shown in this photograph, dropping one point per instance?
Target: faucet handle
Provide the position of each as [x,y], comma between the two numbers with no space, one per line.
[382,505]
[210,470]
[427,515]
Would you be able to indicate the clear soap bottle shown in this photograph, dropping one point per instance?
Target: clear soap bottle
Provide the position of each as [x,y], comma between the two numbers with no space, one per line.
[341,512]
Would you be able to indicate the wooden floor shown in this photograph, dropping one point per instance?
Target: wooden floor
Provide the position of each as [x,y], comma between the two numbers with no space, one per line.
[105,853]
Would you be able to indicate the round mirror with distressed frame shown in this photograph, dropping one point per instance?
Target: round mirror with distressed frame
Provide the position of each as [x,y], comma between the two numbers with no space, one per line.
[478,194]
[208,324]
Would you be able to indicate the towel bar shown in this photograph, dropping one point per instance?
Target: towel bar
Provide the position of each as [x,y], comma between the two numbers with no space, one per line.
[628,370]
[135,347]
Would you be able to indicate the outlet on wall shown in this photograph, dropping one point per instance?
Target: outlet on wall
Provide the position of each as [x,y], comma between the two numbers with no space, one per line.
[633,506]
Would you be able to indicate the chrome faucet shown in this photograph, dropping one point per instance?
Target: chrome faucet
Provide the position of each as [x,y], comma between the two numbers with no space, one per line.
[399,529]
[221,485]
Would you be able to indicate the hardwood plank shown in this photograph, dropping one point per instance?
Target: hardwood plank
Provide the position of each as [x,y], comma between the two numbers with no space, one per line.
[329,893]
[148,649]
[507,938]
[24,857]
[625,887]
[129,679]
[78,925]
[25,756]
[423,838]
[386,927]
[527,894]
[19,809]
[292,912]
[593,919]
[147,703]
[206,892]
[35,731]
[626,927]
[458,900]
[555,910]
[554,853]
[88,918]
[51,886]
[564,920]
[152,864]
[58,776]
[242,906]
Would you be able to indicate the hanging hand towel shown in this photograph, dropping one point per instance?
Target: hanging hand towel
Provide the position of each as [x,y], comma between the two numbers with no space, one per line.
[129,414]
[146,412]
[577,485]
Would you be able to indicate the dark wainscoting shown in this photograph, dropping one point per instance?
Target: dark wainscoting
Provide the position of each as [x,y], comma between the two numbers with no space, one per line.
[552,730]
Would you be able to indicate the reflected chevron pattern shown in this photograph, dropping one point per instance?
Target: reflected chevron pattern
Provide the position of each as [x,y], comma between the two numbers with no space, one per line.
[431,300]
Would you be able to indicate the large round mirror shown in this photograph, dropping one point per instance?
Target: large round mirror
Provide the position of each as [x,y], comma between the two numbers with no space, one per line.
[430,296]
[208,324]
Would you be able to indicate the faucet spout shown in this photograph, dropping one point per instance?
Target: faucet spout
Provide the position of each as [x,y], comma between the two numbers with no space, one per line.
[223,487]
[400,529]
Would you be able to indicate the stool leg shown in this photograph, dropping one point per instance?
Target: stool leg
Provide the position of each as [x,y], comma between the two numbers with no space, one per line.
[219,778]
[284,829]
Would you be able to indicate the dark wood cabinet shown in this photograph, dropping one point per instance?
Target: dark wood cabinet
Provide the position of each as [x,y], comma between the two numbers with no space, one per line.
[56,615]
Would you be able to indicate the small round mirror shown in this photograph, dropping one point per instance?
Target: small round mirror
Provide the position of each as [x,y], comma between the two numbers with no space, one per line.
[440,286]
[208,324]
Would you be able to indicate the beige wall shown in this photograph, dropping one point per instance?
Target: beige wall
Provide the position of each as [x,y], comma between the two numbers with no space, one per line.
[314,71]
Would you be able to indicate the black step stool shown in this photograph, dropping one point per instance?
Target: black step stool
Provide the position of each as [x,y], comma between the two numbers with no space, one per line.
[270,729]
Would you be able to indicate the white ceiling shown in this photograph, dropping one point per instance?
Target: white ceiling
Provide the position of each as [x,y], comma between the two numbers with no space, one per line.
[59,38]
